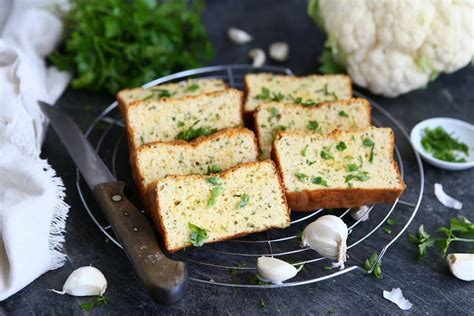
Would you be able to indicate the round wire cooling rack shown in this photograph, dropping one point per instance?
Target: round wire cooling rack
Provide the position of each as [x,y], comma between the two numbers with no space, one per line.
[233,263]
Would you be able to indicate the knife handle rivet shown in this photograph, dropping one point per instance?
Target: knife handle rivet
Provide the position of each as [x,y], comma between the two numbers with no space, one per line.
[116,198]
[125,213]
[135,228]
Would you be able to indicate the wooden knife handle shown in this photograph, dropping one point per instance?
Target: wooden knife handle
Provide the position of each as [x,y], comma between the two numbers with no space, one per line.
[166,280]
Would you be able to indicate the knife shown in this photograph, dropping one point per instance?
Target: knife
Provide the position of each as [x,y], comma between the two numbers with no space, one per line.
[165,280]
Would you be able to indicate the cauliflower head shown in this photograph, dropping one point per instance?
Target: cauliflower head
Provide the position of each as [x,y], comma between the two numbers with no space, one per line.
[393,47]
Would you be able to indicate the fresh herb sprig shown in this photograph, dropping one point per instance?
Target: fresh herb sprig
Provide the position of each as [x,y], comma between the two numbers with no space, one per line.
[460,230]
[191,133]
[442,145]
[115,44]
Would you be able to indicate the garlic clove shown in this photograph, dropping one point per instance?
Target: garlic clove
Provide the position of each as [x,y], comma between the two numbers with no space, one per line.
[396,296]
[275,270]
[445,199]
[461,265]
[84,281]
[238,36]
[258,57]
[327,236]
[279,51]
[360,213]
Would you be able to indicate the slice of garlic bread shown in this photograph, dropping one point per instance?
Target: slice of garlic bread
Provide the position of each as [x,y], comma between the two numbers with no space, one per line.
[344,115]
[184,118]
[341,169]
[245,199]
[309,90]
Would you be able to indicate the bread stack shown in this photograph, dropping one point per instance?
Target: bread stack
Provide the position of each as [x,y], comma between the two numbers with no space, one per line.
[197,167]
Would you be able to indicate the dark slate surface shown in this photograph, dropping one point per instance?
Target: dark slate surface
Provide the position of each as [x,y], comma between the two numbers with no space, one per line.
[428,285]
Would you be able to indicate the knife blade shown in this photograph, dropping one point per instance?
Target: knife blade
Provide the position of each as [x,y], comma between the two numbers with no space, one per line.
[166,280]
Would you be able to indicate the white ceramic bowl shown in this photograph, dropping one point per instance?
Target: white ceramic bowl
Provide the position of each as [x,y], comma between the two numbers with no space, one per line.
[461,130]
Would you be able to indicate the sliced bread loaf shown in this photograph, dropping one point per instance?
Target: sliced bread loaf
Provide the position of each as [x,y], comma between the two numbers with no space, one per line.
[170,90]
[309,90]
[197,209]
[184,118]
[342,169]
[344,115]
[207,154]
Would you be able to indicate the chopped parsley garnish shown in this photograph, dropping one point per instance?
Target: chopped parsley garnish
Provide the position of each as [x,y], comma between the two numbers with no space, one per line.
[213,169]
[387,230]
[367,142]
[313,126]
[392,221]
[262,303]
[343,114]
[304,151]
[244,200]
[301,176]
[442,145]
[192,133]
[214,180]
[352,167]
[341,146]
[326,155]
[215,192]
[327,93]
[274,113]
[181,124]
[423,240]
[320,181]
[372,265]
[266,95]
[360,176]
[198,235]
[96,302]
[191,88]
[158,94]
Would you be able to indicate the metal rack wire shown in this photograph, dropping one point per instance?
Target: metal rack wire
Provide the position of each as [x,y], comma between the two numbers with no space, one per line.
[233,263]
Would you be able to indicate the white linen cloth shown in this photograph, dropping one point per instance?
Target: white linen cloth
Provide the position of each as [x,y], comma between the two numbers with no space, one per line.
[32,209]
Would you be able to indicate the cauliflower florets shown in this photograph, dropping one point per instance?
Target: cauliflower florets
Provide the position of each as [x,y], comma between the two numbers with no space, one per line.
[392,47]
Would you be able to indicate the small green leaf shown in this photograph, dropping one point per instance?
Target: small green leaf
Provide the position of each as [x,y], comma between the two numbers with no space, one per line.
[191,88]
[313,126]
[372,266]
[301,176]
[261,303]
[299,235]
[341,146]
[367,142]
[326,155]
[198,235]
[387,230]
[304,151]
[213,169]
[343,114]
[320,181]
[244,200]
[96,302]
[216,180]
[215,192]
[352,167]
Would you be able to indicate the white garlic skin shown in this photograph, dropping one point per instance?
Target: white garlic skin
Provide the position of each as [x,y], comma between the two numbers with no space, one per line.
[461,265]
[279,51]
[327,235]
[238,36]
[275,270]
[361,213]
[258,57]
[85,281]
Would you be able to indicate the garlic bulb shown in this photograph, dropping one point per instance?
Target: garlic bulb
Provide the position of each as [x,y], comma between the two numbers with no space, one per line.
[327,235]
[279,51]
[462,265]
[238,36]
[84,281]
[258,57]
[274,270]
[361,213]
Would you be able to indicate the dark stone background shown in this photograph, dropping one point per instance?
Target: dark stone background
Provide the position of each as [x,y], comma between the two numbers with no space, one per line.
[428,285]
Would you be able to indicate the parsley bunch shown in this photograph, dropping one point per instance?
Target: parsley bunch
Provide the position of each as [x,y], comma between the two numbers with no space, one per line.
[115,44]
